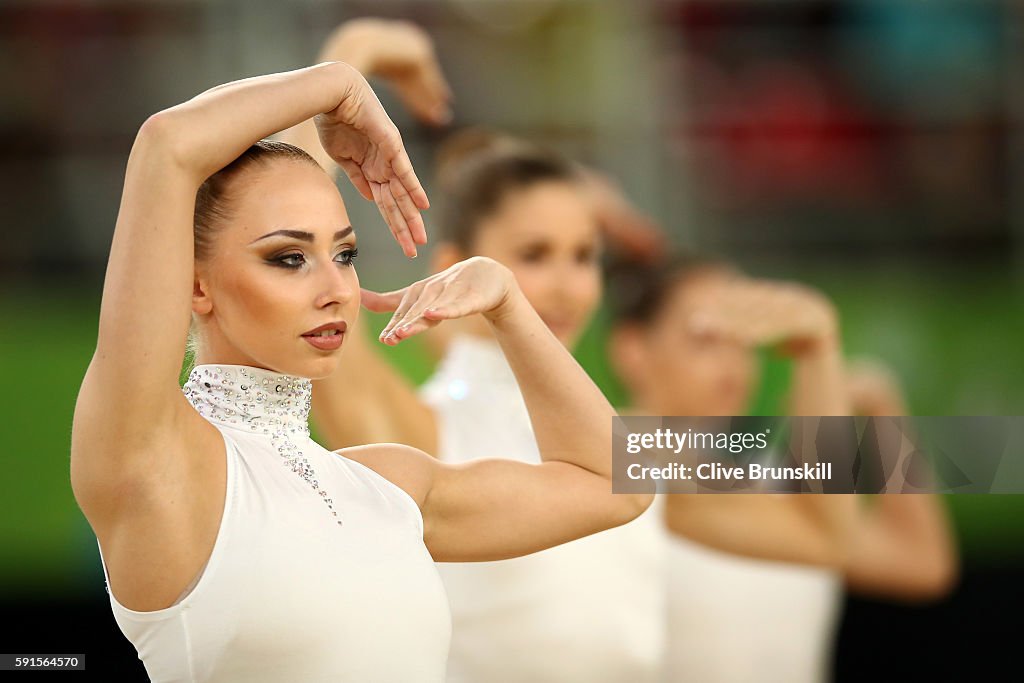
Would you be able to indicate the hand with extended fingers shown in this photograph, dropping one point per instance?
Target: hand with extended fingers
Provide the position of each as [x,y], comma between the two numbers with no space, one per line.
[362,139]
[874,388]
[794,317]
[476,285]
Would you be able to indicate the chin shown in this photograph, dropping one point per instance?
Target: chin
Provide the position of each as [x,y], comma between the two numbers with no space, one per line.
[320,368]
[732,410]
[302,365]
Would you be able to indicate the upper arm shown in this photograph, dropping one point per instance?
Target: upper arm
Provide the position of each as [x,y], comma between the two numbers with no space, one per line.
[494,509]
[147,292]
[129,403]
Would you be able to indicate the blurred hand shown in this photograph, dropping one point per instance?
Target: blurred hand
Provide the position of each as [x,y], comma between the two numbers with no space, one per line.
[793,317]
[400,53]
[874,389]
[476,285]
[623,224]
[361,138]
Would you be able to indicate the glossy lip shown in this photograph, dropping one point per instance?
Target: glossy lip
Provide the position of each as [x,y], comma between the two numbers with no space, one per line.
[331,343]
[339,325]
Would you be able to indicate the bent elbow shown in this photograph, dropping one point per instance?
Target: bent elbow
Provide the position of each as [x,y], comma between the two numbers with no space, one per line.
[162,136]
[939,580]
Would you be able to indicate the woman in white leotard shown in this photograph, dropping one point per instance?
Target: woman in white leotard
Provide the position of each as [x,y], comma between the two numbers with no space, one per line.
[590,610]
[756,581]
[307,565]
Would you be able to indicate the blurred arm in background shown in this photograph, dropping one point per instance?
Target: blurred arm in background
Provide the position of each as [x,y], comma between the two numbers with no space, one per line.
[896,546]
[903,546]
[744,313]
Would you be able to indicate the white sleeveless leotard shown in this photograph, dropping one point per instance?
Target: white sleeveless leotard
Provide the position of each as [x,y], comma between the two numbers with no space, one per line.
[318,574]
[591,610]
[735,619]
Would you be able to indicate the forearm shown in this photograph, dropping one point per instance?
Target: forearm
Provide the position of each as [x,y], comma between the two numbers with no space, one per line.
[145,307]
[352,51]
[819,380]
[819,389]
[215,127]
[771,527]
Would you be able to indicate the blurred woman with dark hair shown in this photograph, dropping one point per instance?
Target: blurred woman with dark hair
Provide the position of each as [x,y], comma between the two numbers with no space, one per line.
[755,580]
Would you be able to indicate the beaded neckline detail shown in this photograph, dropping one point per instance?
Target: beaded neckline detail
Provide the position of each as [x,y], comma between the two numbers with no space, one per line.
[262,402]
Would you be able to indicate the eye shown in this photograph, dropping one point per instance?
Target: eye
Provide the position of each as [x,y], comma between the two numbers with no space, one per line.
[586,255]
[347,257]
[289,260]
[534,253]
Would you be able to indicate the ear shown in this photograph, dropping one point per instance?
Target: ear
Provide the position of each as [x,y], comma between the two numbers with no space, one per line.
[627,356]
[446,255]
[202,304]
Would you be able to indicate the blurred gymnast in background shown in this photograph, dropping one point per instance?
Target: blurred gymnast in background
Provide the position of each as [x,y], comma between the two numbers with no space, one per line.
[756,580]
[586,611]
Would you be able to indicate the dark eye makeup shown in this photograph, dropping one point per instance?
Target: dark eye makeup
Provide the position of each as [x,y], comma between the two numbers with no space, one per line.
[295,260]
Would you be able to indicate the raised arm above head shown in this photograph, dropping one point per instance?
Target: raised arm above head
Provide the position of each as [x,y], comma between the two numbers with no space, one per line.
[130,394]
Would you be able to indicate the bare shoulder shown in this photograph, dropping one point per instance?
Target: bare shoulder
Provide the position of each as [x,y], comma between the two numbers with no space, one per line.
[409,468]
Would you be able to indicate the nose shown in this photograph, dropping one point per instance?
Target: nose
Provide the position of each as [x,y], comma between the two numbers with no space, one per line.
[574,283]
[336,285]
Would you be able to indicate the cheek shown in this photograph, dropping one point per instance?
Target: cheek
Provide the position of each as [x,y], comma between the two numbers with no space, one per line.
[694,366]
[746,370]
[588,288]
[257,300]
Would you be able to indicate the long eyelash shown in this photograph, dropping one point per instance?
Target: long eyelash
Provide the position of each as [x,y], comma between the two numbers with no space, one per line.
[281,263]
[350,256]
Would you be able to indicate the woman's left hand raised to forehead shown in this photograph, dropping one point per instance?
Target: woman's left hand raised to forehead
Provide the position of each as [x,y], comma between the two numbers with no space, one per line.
[362,139]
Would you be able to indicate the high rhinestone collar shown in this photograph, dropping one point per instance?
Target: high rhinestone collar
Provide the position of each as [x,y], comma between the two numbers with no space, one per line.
[259,400]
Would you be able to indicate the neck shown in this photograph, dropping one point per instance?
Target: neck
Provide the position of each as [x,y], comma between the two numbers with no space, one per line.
[261,400]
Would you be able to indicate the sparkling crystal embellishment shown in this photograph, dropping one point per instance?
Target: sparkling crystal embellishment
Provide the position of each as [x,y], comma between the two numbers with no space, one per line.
[264,402]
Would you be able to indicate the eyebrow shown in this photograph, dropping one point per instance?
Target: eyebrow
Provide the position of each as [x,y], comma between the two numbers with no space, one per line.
[303,235]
